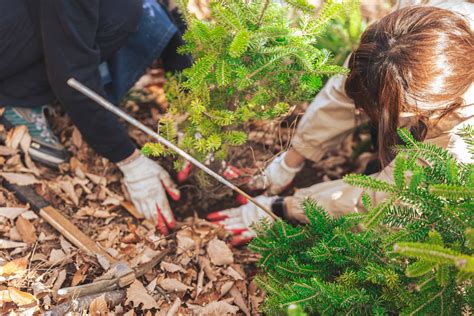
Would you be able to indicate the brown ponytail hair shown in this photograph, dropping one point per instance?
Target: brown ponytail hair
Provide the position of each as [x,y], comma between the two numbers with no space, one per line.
[414,59]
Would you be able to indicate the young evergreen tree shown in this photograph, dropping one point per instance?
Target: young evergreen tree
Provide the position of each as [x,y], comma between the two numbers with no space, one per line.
[343,33]
[252,60]
[410,254]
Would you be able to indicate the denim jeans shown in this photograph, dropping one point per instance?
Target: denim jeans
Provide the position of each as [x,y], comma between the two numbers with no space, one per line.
[121,71]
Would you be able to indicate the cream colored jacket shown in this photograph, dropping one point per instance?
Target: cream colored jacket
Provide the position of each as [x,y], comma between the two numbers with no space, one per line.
[332,116]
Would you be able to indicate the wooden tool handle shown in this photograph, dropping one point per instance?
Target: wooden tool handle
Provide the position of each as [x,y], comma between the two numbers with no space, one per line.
[72,233]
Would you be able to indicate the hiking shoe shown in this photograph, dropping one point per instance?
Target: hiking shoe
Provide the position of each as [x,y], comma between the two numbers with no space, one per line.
[45,146]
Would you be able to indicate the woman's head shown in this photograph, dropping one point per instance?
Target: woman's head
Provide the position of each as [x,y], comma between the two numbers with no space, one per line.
[416,59]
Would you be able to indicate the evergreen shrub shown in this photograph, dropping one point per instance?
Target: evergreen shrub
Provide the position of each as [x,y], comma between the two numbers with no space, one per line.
[253,59]
[411,254]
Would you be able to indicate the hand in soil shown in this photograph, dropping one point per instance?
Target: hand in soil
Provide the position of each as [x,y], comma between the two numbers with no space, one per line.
[238,221]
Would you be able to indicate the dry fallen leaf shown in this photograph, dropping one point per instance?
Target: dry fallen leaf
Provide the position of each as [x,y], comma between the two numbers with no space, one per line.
[205,264]
[15,136]
[7,151]
[15,267]
[21,298]
[14,235]
[239,300]
[25,144]
[132,210]
[96,179]
[151,286]
[233,273]
[94,212]
[226,287]
[185,242]
[219,252]
[200,282]
[76,138]
[174,308]
[12,212]
[218,308]
[78,277]
[171,267]
[40,290]
[75,163]
[68,188]
[173,285]
[111,200]
[103,261]
[99,306]
[5,296]
[66,246]
[14,161]
[19,178]
[29,215]
[26,230]
[8,244]
[137,294]
[59,280]
[56,256]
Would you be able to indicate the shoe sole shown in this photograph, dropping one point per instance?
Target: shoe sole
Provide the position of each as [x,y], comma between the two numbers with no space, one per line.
[44,158]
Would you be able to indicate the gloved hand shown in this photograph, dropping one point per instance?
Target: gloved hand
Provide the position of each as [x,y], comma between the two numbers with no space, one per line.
[238,220]
[276,177]
[147,183]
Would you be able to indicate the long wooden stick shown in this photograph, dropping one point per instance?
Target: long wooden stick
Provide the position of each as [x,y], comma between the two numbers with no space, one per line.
[72,233]
[52,216]
[73,83]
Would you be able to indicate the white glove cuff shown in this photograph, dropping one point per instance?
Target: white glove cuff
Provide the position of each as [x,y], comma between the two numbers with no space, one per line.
[252,214]
[288,168]
[129,169]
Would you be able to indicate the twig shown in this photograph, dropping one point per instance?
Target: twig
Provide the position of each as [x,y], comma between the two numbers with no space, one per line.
[440,293]
[30,260]
[112,298]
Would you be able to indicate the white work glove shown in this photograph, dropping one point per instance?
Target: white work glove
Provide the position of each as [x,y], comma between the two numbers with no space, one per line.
[276,177]
[238,221]
[147,183]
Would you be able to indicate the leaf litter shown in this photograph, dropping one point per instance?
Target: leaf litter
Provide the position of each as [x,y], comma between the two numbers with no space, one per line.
[204,276]
[38,261]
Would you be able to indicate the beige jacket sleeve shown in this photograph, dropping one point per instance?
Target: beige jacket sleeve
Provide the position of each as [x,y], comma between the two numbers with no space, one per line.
[339,198]
[332,116]
[329,119]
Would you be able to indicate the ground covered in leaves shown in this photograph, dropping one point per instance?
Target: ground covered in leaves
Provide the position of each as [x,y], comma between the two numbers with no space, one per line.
[203,275]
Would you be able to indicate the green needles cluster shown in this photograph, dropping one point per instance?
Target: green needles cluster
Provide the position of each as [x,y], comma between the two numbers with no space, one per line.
[410,254]
[253,59]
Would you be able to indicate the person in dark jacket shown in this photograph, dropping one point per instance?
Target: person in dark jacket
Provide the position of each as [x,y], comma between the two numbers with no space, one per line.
[105,44]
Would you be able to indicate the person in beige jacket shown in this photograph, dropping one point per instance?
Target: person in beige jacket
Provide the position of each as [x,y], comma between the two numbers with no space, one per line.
[414,68]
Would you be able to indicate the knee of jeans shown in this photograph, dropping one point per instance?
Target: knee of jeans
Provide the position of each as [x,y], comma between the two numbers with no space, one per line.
[119,16]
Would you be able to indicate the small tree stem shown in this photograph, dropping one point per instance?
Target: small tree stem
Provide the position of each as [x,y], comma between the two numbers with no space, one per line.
[262,13]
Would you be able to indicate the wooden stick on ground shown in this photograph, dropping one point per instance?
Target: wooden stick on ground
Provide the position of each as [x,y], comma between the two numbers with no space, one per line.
[27,194]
